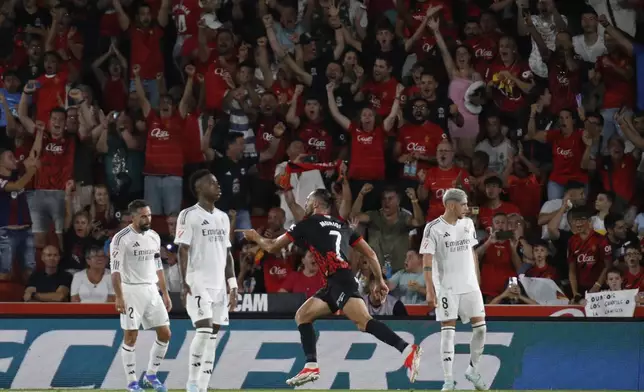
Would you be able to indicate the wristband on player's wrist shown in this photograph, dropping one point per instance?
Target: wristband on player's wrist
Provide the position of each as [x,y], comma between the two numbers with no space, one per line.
[232,283]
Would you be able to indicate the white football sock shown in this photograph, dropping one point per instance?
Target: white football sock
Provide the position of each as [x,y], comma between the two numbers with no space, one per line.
[478,343]
[197,348]
[157,353]
[128,356]
[447,351]
[208,362]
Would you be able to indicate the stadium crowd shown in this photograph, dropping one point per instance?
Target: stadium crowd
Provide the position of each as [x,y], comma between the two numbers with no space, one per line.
[528,105]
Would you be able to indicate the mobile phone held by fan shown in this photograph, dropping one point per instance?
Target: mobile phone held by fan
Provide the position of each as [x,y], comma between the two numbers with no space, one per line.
[578,99]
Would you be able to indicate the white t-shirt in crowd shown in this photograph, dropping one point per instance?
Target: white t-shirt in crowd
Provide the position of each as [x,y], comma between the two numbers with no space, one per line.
[90,292]
[498,154]
[589,53]
[552,206]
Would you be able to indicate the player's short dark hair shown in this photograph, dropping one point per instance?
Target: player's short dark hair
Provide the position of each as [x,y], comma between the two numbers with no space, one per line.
[324,196]
[196,176]
[137,204]
[611,220]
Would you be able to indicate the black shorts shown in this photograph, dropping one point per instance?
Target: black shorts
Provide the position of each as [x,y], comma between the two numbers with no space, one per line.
[340,286]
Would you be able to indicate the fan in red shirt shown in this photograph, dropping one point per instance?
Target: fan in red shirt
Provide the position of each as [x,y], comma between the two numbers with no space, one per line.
[498,257]
[145,37]
[618,170]
[484,46]
[568,148]
[524,186]
[308,280]
[541,268]
[634,277]
[589,255]
[51,87]
[381,92]
[186,15]
[268,121]
[164,158]
[494,205]
[65,39]
[191,138]
[564,69]
[311,129]
[114,84]
[367,138]
[616,70]
[437,179]
[56,152]
[276,267]
[417,9]
[220,65]
[510,77]
[417,139]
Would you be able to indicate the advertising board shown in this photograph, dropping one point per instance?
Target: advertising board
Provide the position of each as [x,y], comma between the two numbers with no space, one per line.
[38,353]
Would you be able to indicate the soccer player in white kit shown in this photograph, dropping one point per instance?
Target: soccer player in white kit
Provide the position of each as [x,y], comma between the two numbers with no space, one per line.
[452,279]
[135,254]
[203,236]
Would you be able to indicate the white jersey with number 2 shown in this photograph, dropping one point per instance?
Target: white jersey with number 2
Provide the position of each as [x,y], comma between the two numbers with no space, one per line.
[452,249]
[208,235]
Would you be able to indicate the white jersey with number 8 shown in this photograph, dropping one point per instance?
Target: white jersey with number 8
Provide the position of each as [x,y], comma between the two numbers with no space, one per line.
[453,261]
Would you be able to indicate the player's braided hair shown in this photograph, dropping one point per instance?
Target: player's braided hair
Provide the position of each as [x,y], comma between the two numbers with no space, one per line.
[196,176]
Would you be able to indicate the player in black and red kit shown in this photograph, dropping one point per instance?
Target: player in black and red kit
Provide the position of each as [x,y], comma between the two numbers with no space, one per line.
[329,240]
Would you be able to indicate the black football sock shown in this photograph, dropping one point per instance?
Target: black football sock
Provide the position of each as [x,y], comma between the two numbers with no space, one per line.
[307,336]
[385,334]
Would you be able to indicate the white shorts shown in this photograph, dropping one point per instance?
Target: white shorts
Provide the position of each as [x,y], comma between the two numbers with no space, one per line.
[466,306]
[143,306]
[208,304]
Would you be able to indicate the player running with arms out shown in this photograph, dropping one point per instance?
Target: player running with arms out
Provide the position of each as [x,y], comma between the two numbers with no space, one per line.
[203,236]
[452,280]
[329,240]
[136,270]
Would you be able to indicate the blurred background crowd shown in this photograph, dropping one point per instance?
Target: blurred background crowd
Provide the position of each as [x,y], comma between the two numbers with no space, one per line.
[531,106]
